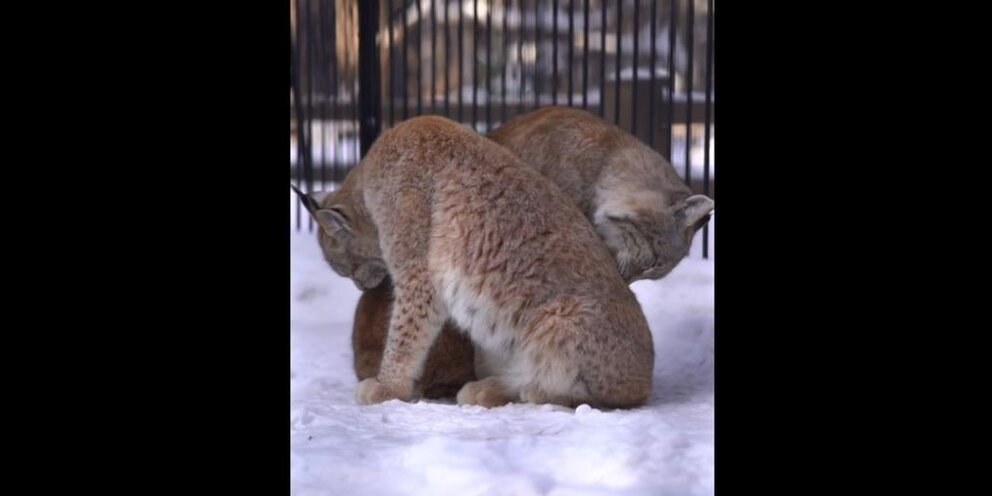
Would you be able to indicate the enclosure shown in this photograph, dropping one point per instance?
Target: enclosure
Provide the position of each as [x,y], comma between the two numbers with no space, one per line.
[359,67]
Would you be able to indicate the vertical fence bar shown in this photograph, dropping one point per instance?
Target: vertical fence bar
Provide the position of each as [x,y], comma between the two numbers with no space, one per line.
[554,52]
[298,104]
[635,77]
[654,69]
[618,59]
[475,63]
[311,100]
[389,61]
[585,57]
[461,72]
[506,52]
[537,53]
[335,75]
[447,61]
[353,97]
[405,102]
[671,81]
[433,54]
[690,18]
[339,112]
[602,61]
[323,55]
[489,65]
[571,47]
[370,110]
[520,56]
[418,56]
[350,84]
[353,82]
[707,115]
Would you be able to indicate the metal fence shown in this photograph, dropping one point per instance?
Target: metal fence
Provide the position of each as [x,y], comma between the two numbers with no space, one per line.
[361,66]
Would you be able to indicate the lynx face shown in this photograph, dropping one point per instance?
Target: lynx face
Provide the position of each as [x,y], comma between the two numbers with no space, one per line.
[650,244]
[354,257]
[350,248]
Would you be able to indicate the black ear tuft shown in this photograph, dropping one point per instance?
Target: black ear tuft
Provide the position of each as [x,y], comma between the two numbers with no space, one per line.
[309,203]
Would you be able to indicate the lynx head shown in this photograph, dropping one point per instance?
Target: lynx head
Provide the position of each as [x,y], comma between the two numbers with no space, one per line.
[349,242]
[650,245]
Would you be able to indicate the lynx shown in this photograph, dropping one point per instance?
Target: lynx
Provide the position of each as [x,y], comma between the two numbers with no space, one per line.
[638,204]
[469,233]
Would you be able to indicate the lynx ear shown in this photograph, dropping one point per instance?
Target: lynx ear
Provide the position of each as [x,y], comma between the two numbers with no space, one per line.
[695,211]
[312,201]
[332,219]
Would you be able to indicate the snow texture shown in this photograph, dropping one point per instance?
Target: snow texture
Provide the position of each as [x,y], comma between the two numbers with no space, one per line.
[438,448]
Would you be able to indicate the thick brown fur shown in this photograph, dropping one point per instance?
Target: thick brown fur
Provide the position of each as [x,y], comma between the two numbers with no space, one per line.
[469,232]
[640,207]
[450,363]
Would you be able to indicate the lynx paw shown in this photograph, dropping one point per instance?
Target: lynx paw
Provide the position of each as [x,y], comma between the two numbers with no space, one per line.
[371,391]
[539,397]
[488,392]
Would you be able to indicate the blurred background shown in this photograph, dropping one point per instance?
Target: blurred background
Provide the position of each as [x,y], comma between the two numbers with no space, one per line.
[360,66]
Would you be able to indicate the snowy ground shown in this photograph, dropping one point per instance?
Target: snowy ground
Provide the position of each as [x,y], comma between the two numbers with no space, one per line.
[438,448]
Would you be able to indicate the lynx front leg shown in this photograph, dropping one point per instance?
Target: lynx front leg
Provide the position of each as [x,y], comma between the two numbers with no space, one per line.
[415,323]
[417,318]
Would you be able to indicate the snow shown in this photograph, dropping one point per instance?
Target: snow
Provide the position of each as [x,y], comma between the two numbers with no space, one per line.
[438,447]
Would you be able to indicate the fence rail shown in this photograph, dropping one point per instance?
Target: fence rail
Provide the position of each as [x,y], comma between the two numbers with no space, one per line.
[360,66]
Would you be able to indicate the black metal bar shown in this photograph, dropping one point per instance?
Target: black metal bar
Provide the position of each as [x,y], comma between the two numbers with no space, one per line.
[324,54]
[537,53]
[433,51]
[390,61]
[405,103]
[475,63]
[671,80]
[654,69]
[355,121]
[571,47]
[602,62]
[520,57]
[706,118]
[506,52]
[489,65]
[447,60]
[312,42]
[335,75]
[297,95]
[461,72]
[585,58]
[635,77]
[554,52]
[340,115]
[368,74]
[418,56]
[618,59]
[690,18]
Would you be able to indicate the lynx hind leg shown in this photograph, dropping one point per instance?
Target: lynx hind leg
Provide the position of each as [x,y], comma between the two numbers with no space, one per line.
[610,366]
[619,375]
[489,392]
